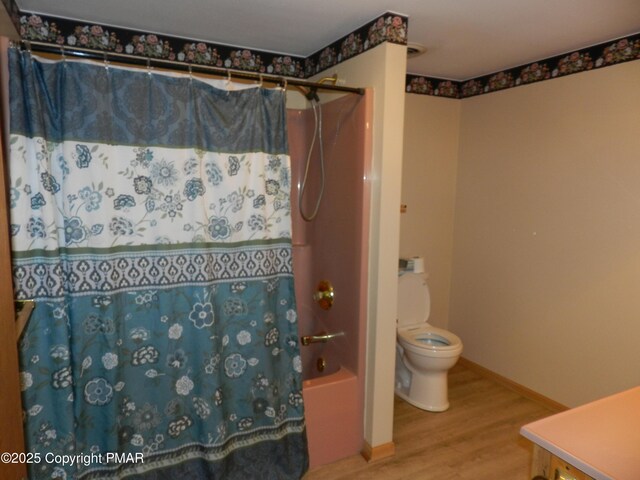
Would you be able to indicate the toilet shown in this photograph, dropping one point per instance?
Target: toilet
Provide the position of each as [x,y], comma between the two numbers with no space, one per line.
[424,354]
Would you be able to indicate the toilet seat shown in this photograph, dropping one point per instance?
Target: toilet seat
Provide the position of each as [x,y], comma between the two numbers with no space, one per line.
[424,339]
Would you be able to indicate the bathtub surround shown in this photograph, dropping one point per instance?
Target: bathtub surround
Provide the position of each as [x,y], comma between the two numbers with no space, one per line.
[158,251]
[333,247]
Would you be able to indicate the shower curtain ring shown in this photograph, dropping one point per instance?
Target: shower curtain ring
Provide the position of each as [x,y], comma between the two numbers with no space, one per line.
[190,73]
[149,67]
[260,77]
[106,62]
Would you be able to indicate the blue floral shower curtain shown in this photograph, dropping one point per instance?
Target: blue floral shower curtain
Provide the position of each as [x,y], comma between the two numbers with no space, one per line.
[150,222]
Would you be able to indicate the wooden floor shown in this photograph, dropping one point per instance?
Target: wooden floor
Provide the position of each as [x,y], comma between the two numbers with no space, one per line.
[476,439]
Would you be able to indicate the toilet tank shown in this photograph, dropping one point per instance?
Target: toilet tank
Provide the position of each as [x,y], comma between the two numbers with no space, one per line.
[414,301]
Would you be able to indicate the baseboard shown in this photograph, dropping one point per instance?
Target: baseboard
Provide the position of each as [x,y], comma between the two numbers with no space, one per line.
[371,454]
[511,385]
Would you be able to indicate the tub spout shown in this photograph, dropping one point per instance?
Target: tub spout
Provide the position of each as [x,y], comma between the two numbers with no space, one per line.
[320,337]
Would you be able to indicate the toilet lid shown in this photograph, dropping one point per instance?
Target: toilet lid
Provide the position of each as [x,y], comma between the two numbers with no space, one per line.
[414,302]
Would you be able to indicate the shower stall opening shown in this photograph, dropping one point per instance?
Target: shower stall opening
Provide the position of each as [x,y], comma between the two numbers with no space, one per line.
[332,247]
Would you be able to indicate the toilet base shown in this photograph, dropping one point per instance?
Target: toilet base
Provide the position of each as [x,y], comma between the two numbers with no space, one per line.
[427,391]
[422,406]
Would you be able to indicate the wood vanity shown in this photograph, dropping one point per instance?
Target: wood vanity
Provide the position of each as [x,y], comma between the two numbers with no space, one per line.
[596,441]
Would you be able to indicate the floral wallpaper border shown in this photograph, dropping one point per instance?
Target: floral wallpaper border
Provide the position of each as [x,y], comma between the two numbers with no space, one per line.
[603,55]
[71,33]
[388,27]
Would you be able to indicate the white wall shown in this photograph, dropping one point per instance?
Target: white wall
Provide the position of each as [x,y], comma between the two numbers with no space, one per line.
[383,69]
[546,262]
[429,172]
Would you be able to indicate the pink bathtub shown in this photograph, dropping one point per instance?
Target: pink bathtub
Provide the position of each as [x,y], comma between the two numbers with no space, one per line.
[334,419]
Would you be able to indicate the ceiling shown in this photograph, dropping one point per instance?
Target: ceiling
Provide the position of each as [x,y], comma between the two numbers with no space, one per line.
[464,38]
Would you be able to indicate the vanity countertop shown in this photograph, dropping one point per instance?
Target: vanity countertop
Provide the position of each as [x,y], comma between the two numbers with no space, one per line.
[601,438]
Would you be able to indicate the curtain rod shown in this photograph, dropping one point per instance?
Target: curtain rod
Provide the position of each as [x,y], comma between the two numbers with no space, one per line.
[183,66]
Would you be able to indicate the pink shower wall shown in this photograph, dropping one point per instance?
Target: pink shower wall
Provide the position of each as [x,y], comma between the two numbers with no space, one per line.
[333,247]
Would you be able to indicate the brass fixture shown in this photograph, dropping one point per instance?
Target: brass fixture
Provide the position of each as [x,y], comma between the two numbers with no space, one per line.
[332,79]
[321,364]
[324,294]
[319,337]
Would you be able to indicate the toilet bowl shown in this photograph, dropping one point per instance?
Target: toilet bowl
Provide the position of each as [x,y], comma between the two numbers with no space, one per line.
[424,353]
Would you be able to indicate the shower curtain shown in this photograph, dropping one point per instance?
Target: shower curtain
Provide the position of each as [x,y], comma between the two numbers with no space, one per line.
[150,222]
